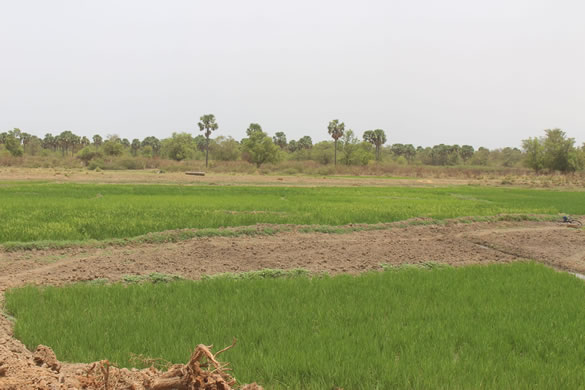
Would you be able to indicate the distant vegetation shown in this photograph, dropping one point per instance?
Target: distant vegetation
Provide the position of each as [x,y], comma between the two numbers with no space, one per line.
[40,211]
[553,152]
[516,326]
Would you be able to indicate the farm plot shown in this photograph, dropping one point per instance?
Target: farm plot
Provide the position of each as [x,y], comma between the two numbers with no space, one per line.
[495,326]
[58,212]
[498,326]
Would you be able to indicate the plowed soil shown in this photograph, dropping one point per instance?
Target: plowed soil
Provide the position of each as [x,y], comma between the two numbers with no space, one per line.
[454,243]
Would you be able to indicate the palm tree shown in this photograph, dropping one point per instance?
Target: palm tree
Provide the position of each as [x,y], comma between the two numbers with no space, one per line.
[376,137]
[336,131]
[208,125]
[97,140]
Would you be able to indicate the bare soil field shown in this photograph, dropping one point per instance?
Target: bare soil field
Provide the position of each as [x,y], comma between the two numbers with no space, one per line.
[454,243]
[153,176]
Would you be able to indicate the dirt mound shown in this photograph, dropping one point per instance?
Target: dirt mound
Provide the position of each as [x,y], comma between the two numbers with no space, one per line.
[43,371]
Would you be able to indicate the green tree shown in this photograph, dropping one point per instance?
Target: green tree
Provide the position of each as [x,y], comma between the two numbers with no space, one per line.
[305,142]
[349,146]
[581,156]
[453,154]
[409,152]
[293,146]
[377,138]
[398,150]
[225,149]
[440,154]
[50,142]
[510,157]
[336,130]
[87,154]
[364,154]
[12,144]
[559,151]
[16,133]
[481,156]
[208,125]
[154,143]
[424,155]
[66,141]
[200,142]
[97,140]
[84,141]
[467,152]
[279,139]
[147,151]
[113,147]
[34,145]
[25,139]
[179,147]
[534,153]
[323,152]
[135,146]
[258,148]
[555,151]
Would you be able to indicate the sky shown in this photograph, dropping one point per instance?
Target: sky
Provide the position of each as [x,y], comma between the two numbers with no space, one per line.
[484,73]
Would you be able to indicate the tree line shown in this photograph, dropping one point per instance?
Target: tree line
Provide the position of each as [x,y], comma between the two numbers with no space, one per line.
[552,152]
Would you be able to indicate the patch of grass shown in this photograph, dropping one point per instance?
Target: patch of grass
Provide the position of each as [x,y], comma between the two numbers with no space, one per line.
[261,274]
[150,238]
[186,234]
[45,213]
[499,326]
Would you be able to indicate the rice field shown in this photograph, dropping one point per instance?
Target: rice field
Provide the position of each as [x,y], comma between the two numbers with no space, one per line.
[48,211]
[500,326]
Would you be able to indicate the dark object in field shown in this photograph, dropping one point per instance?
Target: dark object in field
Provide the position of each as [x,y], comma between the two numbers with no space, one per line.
[195,173]
[571,222]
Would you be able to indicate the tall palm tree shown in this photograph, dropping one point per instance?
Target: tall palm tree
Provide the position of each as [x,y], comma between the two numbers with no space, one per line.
[376,137]
[336,130]
[208,125]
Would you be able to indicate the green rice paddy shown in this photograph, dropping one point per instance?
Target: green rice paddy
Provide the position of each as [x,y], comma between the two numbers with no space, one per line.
[58,212]
[500,326]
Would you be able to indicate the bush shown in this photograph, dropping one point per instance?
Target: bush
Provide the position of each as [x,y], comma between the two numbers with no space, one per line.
[87,154]
[225,149]
[112,148]
[401,160]
[132,163]
[95,164]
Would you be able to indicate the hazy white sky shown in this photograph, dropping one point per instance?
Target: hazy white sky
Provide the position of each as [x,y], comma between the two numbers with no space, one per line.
[486,73]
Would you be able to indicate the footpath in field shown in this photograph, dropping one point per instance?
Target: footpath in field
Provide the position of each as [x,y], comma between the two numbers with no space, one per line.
[454,243]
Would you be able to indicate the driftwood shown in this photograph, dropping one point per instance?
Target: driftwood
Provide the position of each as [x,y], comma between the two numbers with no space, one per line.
[195,173]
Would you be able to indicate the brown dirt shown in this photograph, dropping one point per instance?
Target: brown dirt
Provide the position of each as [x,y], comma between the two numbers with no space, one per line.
[152,176]
[455,243]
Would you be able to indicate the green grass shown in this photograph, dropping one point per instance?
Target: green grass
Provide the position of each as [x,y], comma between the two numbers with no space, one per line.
[79,212]
[499,326]
[263,230]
